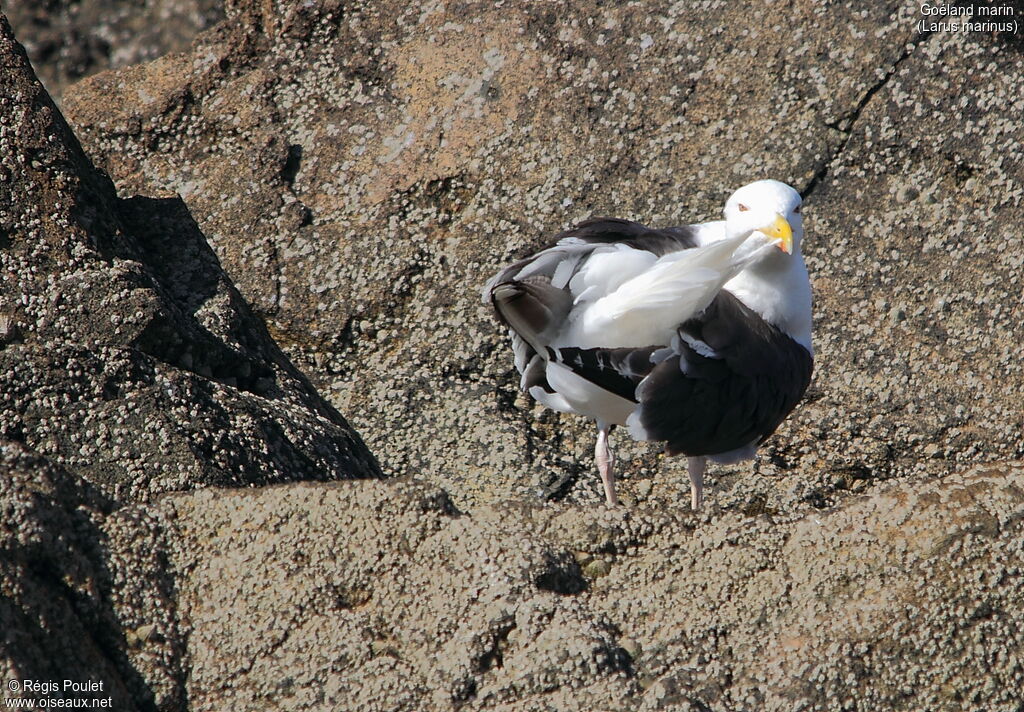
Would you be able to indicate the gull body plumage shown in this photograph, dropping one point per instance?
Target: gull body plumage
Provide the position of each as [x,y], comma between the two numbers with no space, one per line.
[698,336]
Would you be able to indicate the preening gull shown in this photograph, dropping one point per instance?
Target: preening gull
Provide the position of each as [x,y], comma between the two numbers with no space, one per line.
[698,336]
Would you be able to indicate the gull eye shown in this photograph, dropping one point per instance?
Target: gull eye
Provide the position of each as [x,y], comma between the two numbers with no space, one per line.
[796,209]
[743,208]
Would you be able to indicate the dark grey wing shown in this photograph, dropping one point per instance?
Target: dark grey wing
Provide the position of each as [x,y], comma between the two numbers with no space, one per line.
[532,307]
[618,371]
[604,231]
[727,381]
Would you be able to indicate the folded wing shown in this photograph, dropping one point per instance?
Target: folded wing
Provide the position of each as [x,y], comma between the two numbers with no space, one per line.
[629,325]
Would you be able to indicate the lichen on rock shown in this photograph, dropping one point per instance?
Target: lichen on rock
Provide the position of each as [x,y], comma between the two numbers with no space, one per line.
[307,200]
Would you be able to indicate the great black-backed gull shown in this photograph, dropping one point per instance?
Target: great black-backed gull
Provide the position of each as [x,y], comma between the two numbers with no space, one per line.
[698,336]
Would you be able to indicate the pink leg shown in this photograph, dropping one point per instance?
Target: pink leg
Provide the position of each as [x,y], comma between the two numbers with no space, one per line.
[695,466]
[605,459]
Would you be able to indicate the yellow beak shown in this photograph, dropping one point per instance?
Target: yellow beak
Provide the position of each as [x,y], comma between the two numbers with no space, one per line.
[780,230]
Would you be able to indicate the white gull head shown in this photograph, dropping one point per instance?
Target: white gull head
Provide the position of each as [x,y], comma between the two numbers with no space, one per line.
[768,207]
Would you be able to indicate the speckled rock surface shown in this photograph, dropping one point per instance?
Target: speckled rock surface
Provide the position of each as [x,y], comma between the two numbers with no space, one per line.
[129,367]
[361,169]
[905,600]
[70,39]
[127,357]
[303,597]
[56,619]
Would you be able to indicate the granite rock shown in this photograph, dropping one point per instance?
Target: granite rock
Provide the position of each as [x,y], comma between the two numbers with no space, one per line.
[321,187]
[56,618]
[379,595]
[129,367]
[360,169]
[70,39]
[128,358]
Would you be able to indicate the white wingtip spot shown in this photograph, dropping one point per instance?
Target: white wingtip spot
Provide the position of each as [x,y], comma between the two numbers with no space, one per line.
[661,354]
[699,346]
